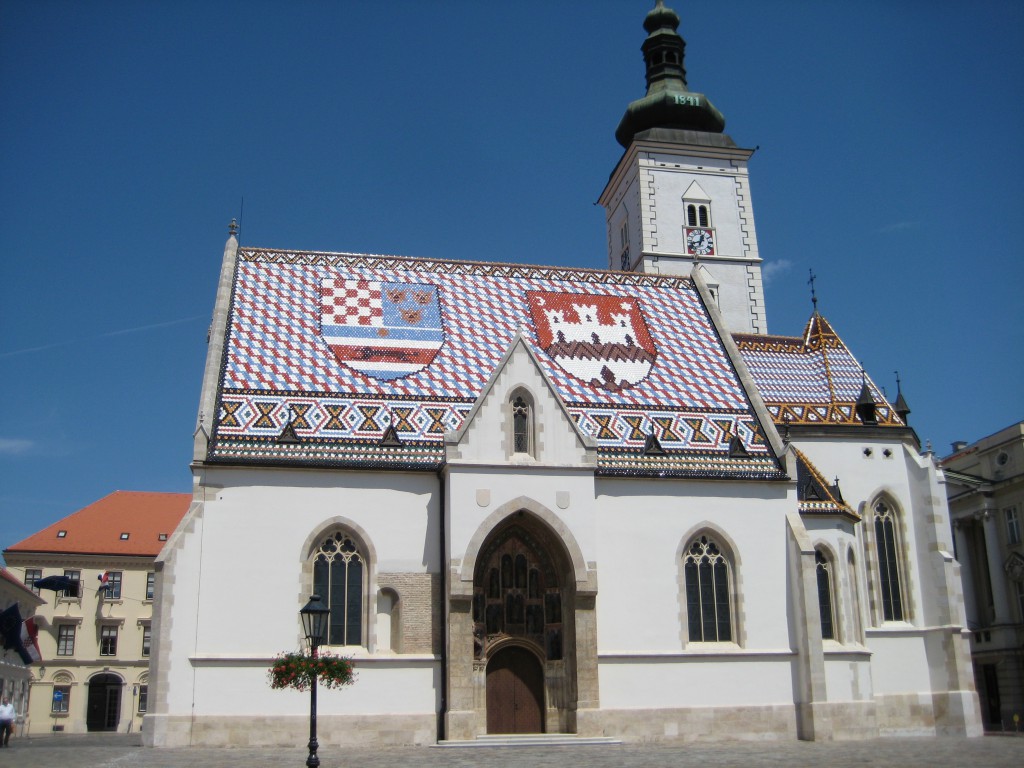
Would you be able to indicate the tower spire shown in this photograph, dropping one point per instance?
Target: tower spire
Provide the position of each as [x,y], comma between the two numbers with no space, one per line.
[669,102]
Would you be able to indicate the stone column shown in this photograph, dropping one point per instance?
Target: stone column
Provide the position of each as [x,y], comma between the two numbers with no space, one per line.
[995,570]
[963,552]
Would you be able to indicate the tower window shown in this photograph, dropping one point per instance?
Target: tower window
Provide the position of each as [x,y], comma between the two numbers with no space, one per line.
[697,216]
[522,425]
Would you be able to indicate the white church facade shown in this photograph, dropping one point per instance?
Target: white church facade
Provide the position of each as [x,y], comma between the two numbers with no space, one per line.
[558,500]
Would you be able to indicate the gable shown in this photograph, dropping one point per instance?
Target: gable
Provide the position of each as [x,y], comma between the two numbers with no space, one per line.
[342,346]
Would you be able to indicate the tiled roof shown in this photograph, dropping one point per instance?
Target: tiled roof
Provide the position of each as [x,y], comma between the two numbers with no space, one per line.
[343,346]
[810,380]
[815,494]
[98,528]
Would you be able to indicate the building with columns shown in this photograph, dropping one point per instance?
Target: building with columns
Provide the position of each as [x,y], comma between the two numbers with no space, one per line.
[985,484]
[582,502]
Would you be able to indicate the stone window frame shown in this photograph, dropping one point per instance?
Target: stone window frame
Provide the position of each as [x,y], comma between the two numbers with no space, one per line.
[825,562]
[902,559]
[530,404]
[108,639]
[65,629]
[730,553]
[369,591]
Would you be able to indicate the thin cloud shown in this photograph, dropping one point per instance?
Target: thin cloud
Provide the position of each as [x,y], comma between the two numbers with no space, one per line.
[13,446]
[121,332]
[772,269]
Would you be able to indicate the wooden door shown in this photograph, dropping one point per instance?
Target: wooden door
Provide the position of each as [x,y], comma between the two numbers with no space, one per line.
[515,692]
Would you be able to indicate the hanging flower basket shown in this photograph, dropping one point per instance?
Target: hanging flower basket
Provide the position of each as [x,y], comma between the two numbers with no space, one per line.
[297,670]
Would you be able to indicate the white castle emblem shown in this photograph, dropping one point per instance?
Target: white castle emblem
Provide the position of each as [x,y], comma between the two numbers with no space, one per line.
[602,340]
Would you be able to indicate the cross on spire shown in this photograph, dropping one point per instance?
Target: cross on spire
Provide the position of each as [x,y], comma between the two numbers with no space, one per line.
[810,282]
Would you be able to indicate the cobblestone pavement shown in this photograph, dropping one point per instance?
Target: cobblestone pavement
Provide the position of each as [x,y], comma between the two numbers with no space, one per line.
[120,751]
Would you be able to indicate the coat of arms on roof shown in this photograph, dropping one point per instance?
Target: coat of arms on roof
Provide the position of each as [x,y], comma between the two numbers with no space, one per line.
[385,330]
[600,340]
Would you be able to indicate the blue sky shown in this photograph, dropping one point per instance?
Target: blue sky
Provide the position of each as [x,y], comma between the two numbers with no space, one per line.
[890,162]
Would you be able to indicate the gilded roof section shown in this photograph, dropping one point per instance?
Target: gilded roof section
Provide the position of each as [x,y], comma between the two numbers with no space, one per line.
[813,379]
[345,346]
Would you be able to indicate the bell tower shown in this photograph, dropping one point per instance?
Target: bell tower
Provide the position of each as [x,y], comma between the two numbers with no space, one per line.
[680,195]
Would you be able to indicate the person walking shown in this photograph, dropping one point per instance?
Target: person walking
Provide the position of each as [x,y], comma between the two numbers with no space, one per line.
[7,715]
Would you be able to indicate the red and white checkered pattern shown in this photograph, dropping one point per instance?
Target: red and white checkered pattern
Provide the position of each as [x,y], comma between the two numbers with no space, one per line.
[351,302]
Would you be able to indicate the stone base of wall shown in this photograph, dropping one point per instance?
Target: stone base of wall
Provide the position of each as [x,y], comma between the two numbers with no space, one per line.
[905,714]
[332,731]
[957,713]
[691,724]
[842,721]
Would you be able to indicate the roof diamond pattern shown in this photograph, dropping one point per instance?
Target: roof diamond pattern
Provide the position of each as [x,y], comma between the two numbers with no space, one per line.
[278,367]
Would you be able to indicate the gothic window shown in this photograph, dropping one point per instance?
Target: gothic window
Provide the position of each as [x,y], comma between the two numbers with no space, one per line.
[338,577]
[823,568]
[707,576]
[889,571]
[522,423]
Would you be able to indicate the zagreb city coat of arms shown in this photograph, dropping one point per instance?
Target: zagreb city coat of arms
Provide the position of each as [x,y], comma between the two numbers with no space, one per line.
[381,329]
[601,340]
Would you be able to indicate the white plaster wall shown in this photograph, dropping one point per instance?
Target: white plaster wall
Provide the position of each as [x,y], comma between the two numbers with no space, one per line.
[706,682]
[899,663]
[643,527]
[248,552]
[237,690]
[847,678]
[670,184]
[469,486]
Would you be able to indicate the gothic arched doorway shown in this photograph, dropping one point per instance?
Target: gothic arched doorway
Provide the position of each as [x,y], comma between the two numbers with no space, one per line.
[522,587]
[103,711]
[515,692]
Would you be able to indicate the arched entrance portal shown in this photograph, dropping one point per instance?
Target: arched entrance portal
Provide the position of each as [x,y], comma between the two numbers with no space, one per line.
[104,706]
[521,589]
[515,692]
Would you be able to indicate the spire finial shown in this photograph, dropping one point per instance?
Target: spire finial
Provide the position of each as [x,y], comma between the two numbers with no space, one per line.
[900,406]
[233,227]
[814,295]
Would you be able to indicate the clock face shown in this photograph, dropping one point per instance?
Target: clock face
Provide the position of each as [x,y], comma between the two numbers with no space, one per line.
[700,241]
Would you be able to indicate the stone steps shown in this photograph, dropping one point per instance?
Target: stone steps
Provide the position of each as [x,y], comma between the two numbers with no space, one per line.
[531,740]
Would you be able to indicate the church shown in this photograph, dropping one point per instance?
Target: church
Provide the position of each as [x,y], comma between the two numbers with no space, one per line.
[593,502]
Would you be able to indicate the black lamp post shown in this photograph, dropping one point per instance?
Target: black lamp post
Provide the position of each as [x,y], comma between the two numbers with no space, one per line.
[314,623]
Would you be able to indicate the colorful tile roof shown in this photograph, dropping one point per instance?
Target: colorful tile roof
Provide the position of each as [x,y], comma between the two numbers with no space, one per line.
[98,528]
[813,379]
[815,494]
[342,346]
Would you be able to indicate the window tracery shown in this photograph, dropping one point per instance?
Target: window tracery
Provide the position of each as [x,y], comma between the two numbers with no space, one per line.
[338,577]
[707,577]
[889,569]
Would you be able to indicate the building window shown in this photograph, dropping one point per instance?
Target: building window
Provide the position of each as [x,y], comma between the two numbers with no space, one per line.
[76,590]
[108,640]
[887,544]
[32,575]
[61,699]
[1012,526]
[150,585]
[698,215]
[824,570]
[143,699]
[65,639]
[112,589]
[522,424]
[338,575]
[147,638]
[706,573]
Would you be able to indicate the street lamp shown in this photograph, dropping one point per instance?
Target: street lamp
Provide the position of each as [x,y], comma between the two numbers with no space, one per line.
[314,623]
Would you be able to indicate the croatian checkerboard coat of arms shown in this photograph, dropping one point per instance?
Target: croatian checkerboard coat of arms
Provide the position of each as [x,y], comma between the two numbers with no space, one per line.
[385,330]
[600,340]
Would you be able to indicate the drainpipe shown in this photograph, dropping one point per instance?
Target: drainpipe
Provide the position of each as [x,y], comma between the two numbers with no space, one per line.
[443,709]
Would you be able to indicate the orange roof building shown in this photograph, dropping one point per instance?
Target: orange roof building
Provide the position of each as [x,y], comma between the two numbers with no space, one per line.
[95,639]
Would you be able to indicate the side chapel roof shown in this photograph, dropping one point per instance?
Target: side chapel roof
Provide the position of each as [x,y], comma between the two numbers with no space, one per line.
[812,379]
[351,360]
[98,528]
[815,494]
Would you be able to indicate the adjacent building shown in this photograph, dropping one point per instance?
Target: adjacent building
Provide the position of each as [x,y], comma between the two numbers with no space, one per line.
[15,675]
[601,502]
[985,485]
[95,637]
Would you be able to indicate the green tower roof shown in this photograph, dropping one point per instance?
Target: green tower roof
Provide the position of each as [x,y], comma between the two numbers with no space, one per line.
[669,103]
